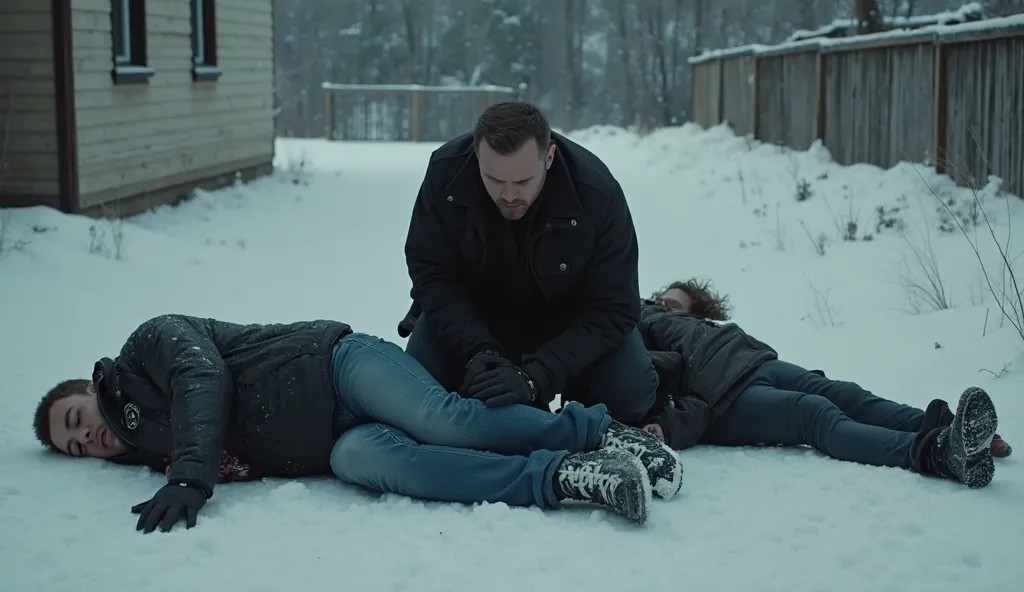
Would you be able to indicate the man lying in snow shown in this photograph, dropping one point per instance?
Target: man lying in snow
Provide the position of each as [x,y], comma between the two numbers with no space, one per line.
[730,389]
[207,401]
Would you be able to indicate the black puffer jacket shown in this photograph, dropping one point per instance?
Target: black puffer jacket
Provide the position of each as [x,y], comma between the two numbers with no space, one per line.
[568,295]
[189,387]
[716,359]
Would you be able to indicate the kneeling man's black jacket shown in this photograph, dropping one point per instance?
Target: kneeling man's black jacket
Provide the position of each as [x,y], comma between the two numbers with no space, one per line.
[565,294]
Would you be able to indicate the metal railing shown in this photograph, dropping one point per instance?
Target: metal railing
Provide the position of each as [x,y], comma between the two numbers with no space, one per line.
[407,112]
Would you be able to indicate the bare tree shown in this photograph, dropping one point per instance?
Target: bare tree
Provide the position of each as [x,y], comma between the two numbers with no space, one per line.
[869,19]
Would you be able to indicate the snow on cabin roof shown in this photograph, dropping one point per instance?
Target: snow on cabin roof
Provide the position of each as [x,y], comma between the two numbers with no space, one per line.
[1014,24]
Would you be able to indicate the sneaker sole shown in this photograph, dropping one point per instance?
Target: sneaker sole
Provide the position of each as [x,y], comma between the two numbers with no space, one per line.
[668,488]
[639,510]
[976,422]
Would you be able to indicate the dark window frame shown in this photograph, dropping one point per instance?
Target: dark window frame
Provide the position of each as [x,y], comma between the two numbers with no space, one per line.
[129,42]
[204,41]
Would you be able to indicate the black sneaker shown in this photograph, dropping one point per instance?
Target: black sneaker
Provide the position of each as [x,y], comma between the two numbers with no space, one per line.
[965,447]
[664,470]
[610,478]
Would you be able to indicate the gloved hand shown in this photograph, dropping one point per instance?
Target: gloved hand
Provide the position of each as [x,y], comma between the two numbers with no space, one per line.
[504,385]
[171,503]
[477,365]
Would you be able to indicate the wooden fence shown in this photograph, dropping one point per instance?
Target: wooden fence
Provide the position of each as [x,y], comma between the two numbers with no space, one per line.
[951,96]
[400,112]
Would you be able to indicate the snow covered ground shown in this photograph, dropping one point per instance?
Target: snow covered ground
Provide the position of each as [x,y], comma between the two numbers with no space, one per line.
[323,238]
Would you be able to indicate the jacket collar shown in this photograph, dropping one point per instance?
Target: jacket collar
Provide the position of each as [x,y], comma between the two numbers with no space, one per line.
[113,407]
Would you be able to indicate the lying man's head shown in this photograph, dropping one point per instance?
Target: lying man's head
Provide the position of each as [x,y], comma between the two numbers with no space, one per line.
[68,420]
[696,297]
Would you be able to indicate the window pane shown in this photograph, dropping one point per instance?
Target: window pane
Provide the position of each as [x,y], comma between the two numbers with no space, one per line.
[126,32]
[198,32]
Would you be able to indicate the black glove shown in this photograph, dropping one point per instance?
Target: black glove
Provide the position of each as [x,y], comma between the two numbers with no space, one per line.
[171,503]
[477,365]
[504,385]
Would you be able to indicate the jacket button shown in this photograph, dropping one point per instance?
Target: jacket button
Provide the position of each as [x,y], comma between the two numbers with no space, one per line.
[573,222]
[450,198]
[562,267]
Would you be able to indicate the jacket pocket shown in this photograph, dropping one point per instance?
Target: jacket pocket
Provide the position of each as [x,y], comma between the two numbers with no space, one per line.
[559,260]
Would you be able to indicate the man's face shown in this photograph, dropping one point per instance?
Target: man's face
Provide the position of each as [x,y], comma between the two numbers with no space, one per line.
[675,299]
[78,429]
[514,181]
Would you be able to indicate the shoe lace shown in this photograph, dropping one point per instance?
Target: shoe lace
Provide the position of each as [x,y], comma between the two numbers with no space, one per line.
[587,477]
[636,447]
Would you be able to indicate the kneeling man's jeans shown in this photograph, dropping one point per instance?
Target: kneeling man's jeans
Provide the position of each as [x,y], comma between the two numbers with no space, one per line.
[421,441]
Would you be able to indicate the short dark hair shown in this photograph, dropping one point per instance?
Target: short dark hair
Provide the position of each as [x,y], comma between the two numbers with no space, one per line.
[41,421]
[707,303]
[507,126]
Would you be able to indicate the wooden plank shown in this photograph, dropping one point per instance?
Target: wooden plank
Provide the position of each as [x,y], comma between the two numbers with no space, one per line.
[150,136]
[117,155]
[25,6]
[93,6]
[233,30]
[28,87]
[26,69]
[25,22]
[99,79]
[129,96]
[113,133]
[147,190]
[26,46]
[160,171]
[975,35]
[27,97]
[101,116]
[868,42]
[939,108]
[35,165]
[20,105]
[30,143]
[84,22]
[33,123]
[821,102]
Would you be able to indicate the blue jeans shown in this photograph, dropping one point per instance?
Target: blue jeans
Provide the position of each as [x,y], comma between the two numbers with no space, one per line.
[788,405]
[623,380]
[419,440]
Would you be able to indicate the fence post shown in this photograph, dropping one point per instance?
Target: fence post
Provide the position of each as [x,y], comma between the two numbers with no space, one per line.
[414,124]
[756,75]
[821,104]
[721,87]
[940,106]
[328,114]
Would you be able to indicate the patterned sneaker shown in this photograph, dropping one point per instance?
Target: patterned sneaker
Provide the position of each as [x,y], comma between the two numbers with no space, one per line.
[964,448]
[609,478]
[663,467]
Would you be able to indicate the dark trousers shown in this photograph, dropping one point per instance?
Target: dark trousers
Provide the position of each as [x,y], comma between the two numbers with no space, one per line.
[788,405]
[623,379]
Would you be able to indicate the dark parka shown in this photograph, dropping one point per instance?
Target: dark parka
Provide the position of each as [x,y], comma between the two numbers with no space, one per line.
[572,296]
[188,388]
[704,364]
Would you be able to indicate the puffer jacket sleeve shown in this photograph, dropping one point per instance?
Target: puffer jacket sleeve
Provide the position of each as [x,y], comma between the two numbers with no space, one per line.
[178,355]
